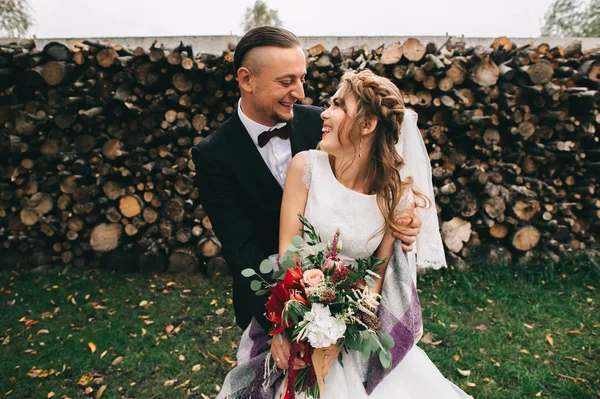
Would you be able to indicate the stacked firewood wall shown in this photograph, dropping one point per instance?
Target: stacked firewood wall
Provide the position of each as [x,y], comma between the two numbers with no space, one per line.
[95,139]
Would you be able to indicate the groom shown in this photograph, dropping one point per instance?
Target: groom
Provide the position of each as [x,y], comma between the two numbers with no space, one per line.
[241,167]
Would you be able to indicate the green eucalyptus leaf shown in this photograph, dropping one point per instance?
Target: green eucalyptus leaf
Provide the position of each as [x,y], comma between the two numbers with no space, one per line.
[266,266]
[297,241]
[248,272]
[262,292]
[385,357]
[292,247]
[277,274]
[286,264]
[365,351]
[255,285]
[320,247]
[288,254]
[387,341]
[374,341]
[352,342]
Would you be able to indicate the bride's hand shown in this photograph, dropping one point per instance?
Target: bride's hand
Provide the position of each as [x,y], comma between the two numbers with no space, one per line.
[408,228]
[331,354]
[280,351]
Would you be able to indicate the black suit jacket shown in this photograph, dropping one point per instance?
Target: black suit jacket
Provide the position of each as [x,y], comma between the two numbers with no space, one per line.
[243,200]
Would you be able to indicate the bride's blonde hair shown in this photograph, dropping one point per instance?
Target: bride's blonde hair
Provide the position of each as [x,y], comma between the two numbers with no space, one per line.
[378,97]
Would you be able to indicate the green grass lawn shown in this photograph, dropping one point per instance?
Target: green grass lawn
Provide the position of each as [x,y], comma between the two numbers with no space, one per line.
[522,331]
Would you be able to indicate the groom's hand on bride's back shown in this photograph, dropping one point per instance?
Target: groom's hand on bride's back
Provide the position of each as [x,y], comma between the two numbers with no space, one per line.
[280,351]
[408,230]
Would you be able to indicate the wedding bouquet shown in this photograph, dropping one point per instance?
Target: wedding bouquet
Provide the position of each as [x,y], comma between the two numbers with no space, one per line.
[318,300]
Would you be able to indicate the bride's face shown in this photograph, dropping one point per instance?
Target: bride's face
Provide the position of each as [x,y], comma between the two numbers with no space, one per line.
[337,121]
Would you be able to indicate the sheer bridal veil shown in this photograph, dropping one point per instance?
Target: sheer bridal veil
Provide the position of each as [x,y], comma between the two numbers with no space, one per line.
[428,251]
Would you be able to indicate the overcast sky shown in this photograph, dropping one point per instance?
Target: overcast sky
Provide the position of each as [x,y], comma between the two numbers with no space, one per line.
[123,18]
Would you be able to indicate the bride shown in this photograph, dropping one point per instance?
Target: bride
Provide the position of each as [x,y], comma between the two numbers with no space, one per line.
[352,184]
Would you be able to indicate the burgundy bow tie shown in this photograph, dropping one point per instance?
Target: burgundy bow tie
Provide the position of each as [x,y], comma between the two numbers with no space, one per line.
[283,132]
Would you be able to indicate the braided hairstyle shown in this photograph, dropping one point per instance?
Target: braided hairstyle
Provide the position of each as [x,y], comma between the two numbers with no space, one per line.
[378,97]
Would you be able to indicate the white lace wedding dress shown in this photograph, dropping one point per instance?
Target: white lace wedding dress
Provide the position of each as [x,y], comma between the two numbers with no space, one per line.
[330,206]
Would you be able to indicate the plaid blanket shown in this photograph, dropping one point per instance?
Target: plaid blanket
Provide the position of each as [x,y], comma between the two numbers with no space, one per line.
[256,376]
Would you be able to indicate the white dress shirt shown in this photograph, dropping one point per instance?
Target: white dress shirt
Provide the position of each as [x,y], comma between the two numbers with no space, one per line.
[277,154]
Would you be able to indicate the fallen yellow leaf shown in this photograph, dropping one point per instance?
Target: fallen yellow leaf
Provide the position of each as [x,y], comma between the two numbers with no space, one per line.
[196,368]
[100,391]
[183,384]
[39,373]
[51,394]
[228,360]
[525,351]
[549,339]
[117,360]
[427,338]
[464,373]
[169,329]
[170,383]
[92,347]
[85,379]
[178,328]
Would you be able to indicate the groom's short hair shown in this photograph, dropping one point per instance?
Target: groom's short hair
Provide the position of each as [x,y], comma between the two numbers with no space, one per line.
[263,36]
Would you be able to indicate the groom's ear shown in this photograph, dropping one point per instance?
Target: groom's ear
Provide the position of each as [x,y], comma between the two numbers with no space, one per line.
[244,77]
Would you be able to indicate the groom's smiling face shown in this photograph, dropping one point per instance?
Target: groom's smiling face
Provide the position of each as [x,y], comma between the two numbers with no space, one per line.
[271,81]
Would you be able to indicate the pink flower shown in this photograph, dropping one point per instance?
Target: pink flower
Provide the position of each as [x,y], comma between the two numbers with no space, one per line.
[313,277]
[333,263]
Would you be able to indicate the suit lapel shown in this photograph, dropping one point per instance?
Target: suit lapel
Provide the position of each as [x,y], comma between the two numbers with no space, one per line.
[298,137]
[249,159]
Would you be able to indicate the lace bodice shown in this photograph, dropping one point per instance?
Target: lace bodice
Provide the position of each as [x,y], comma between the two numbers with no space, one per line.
[331,205]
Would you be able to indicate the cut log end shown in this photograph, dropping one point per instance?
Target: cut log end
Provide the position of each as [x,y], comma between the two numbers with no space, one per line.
[526,238]
[455,233]
[130,206]
[105,237]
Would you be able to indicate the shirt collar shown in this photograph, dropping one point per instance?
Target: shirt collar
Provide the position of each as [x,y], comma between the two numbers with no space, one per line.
[254,128]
